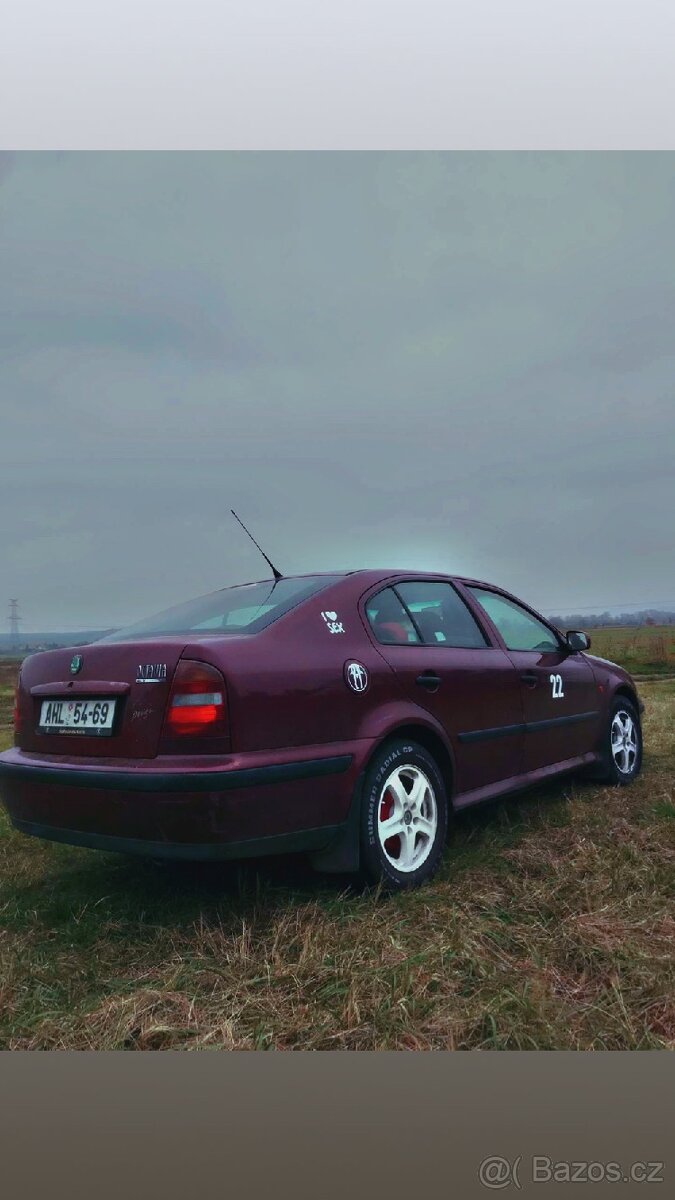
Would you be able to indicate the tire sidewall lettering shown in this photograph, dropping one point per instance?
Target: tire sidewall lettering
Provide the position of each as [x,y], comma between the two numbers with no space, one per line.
[374,794]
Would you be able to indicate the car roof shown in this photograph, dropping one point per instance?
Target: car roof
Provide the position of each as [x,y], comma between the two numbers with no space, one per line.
[375,575]
[431,575]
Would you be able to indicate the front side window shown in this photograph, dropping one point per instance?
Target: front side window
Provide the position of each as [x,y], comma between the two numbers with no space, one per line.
[440,615]
[519,629]
[389,620]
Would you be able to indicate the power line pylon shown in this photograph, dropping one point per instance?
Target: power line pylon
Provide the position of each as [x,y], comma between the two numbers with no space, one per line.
[14,620]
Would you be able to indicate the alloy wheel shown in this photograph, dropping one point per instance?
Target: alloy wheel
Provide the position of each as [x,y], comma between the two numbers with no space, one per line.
[407,818]
[624,741]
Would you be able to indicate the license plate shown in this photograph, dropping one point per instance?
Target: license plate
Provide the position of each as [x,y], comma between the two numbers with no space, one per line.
[93,716]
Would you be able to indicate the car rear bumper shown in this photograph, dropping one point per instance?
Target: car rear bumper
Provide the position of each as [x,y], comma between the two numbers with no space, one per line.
[281,843]
[249,805]
[153,780]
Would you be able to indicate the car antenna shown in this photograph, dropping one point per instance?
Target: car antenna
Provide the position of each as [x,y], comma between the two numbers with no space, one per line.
[277,574]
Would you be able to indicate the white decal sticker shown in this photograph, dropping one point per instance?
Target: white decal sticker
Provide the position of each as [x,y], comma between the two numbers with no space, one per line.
[556,687]
[331,619]
[356,676]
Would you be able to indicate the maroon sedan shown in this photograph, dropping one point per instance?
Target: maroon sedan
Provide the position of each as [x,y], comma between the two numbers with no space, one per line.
[346,715]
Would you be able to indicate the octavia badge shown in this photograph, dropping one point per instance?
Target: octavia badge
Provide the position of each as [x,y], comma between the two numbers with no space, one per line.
[76,664]
[150,672]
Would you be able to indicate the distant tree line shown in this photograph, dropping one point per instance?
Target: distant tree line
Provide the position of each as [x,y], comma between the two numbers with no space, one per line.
[646,616]
[30,642]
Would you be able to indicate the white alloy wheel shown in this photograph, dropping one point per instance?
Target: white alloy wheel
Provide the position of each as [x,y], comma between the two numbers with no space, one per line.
[407,818]
[624,741]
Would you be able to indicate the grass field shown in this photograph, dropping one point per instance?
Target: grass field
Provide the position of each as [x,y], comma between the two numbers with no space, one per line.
[649,650]
[551,925]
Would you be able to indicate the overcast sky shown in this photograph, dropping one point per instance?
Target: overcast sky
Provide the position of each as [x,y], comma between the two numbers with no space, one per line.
[458,362]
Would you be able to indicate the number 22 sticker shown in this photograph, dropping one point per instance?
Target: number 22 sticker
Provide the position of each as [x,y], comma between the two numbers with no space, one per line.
[556,687]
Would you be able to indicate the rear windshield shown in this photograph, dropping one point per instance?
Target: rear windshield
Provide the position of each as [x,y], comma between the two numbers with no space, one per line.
[247,608]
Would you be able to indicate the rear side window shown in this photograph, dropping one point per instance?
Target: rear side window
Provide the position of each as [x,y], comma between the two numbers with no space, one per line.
[441,615]
[519,629]
[389,620]
[247,608]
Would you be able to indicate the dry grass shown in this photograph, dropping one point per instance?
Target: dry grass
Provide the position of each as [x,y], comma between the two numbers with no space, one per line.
[550,926]
[7,679]
[648,650]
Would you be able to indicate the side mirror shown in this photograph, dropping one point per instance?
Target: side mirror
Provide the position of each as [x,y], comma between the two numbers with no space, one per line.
[576,640]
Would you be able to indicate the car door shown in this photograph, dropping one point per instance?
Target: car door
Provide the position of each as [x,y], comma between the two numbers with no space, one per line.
[559,696]
[446,663]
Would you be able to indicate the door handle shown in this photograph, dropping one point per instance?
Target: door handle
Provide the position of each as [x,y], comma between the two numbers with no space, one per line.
[429,680]
[530,678]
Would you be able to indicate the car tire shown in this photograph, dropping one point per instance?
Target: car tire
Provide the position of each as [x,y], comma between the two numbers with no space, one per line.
[402,786]
[622,748]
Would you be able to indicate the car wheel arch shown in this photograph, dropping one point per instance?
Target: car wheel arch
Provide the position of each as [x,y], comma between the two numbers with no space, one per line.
[431,741]
[628,693]
[342,854]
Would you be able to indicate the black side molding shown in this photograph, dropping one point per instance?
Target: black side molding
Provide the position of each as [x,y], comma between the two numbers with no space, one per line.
[189,781]
[485,735]
[574,719]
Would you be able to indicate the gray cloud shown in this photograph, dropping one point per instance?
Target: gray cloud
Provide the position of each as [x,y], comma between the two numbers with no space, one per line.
[459,361]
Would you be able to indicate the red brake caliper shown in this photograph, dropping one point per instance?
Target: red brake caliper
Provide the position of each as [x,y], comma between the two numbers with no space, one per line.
[392,844]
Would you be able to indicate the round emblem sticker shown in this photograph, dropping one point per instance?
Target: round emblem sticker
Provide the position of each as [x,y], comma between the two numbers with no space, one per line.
[356,676]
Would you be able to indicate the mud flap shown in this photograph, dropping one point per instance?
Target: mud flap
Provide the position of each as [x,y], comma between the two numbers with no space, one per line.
[342,855]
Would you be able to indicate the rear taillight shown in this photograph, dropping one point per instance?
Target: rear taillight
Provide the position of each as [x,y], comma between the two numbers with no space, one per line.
[197,705]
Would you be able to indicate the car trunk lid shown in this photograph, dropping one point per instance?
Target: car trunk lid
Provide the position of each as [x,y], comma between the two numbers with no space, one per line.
[132,678]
